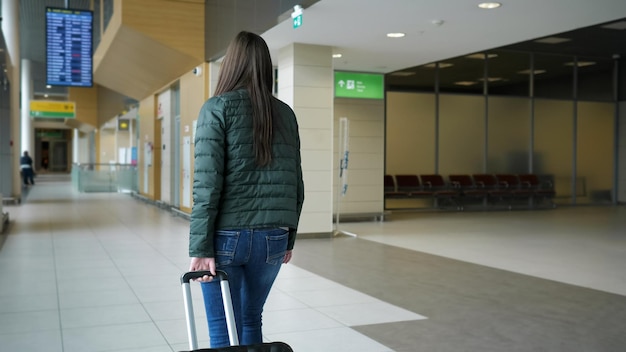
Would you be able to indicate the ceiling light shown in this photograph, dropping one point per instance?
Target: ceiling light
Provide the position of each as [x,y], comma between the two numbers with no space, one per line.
[580,63]
[336,56]
[48,86]
[45,95]
[403,73]
[527,72]
[552,40]
[465,83]
[621,25]
[491,79]
[441,65]
[395,35]
[481,56]
[489,5]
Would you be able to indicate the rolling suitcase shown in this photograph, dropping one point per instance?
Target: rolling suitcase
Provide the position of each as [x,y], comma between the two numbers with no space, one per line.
[230,319]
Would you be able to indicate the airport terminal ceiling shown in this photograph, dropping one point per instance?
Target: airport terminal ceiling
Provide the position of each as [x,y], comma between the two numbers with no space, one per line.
[594,47]
[592,41]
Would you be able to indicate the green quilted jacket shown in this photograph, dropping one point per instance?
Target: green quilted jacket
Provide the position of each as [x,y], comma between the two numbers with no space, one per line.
[229,190]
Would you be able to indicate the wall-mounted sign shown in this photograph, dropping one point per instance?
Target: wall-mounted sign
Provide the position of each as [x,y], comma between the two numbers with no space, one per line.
[52,109]
[123,124]
[359,85]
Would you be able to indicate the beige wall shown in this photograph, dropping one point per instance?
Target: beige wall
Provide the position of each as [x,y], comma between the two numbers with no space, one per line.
[86,100]
[147,125]
[595,150]
[410,139]
[110,104]
[107,146]
[193,94]
[461,134]
[366,158]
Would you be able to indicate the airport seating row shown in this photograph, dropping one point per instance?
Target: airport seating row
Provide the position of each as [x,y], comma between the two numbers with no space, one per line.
[461,189]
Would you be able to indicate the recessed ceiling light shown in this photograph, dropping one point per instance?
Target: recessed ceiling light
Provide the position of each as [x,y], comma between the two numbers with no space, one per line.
[465,83]
[45,95]
[441,65]
[336,56]
[395,35]
[489,5]
[527,72]
[580,63]
[48,86]
[621,25]
[552,40]
[481,56]
[403,73]
[491,79]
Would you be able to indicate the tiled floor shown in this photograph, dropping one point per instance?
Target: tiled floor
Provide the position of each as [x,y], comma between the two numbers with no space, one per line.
[99,272]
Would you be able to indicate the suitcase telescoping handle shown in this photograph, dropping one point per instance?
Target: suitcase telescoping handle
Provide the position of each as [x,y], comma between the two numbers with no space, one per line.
[228,306]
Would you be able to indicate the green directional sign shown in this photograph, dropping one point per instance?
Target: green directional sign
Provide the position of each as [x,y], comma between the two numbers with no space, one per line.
[359,85]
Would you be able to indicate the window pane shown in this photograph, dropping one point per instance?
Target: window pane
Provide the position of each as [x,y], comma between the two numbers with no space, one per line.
[462,75]
[461,134]
[595,79]
[509,73]
[416,79]
[410,140]
[594,159]
[553,146]
[509,135]
[554,76]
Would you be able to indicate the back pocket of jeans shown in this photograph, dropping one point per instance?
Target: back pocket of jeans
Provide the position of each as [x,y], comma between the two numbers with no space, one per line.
[225,245]
[276,246]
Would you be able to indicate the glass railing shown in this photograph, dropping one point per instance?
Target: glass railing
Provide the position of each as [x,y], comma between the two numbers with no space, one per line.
[104,177]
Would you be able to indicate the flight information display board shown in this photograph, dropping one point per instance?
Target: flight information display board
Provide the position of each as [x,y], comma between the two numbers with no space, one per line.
[69,42]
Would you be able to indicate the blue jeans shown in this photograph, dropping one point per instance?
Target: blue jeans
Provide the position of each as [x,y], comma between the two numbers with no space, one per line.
[252,259]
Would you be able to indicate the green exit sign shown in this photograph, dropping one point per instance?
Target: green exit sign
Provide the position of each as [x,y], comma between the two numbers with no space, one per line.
[359,85]
[297,21]
[296,16]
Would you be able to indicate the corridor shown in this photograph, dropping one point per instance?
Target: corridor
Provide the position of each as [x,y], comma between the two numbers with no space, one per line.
[100,272]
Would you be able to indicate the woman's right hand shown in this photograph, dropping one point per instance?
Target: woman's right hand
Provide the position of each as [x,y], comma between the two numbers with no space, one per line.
[200,264]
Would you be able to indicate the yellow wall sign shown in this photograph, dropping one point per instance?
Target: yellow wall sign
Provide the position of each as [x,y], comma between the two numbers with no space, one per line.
[52,109]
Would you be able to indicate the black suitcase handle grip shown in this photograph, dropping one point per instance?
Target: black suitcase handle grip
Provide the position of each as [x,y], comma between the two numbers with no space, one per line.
[186,277]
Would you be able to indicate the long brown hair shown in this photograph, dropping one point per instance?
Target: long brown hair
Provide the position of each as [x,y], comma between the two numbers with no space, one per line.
[248,65]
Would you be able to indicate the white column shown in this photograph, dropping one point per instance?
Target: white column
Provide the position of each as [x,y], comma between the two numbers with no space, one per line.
[75,146]
[27,132]
[214,70]
[305,82]
[131,141]
[11,31]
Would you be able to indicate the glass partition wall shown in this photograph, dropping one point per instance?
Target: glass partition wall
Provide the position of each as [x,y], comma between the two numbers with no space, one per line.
[503,112]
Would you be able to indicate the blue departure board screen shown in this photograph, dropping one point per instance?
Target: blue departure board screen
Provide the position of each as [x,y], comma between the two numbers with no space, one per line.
[69,42]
